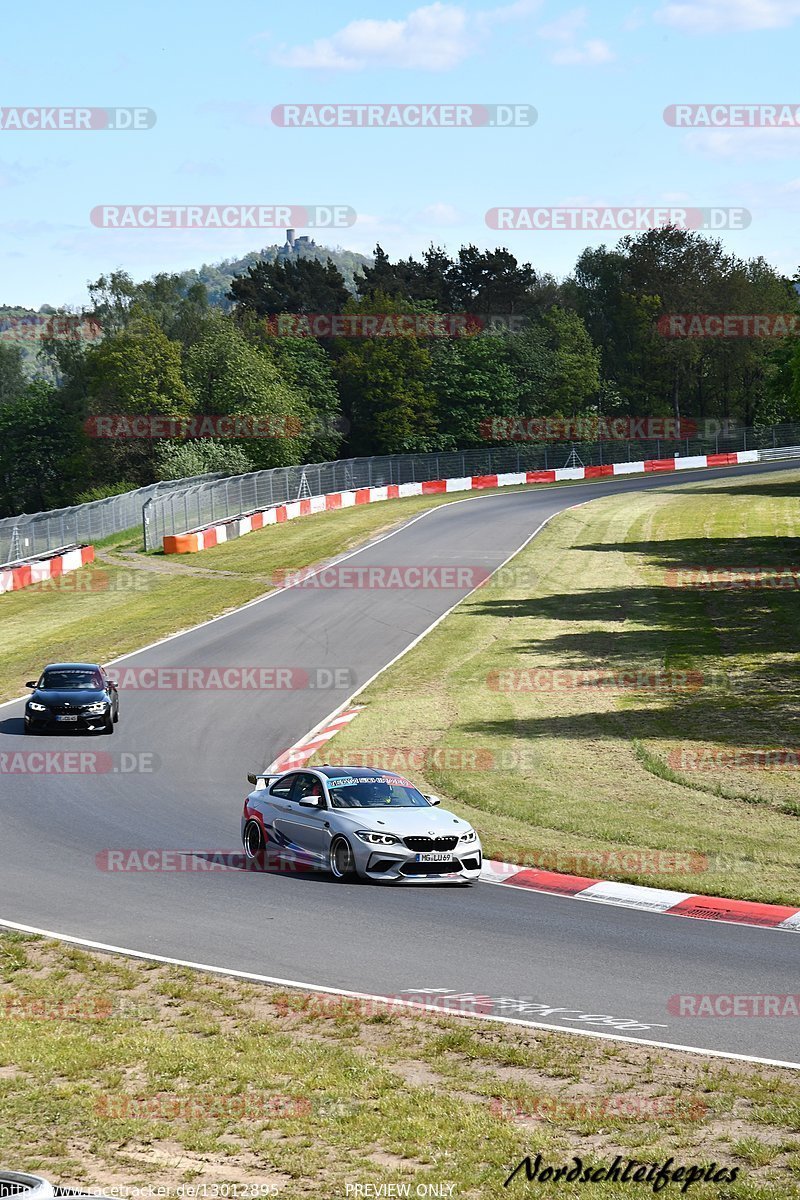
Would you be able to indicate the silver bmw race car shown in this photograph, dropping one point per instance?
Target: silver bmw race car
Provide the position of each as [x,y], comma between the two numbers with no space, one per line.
[357,822]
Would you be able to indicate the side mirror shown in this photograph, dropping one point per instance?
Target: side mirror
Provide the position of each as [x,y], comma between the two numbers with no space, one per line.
[112,683]
[251,778]
[434,799]
[31,683]
[311,802]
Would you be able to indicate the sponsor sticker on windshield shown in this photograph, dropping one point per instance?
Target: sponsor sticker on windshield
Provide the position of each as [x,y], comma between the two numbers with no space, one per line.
[348,781]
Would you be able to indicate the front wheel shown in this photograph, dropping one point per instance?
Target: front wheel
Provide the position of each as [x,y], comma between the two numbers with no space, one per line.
[340,860]
[108,727]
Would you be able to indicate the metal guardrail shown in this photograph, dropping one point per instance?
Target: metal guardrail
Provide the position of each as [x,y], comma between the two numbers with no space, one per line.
[33,534]
[204,504]
[782,452]
[177,505]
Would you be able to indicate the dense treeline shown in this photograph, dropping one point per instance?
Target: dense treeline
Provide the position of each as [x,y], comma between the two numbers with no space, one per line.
[519,343]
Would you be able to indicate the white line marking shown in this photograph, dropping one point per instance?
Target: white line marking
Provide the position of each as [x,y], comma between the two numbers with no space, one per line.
[276,981]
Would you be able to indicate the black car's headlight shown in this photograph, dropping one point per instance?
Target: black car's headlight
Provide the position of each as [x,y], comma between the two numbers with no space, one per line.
[377,839]
[34,707]
[471,836]
[92,709]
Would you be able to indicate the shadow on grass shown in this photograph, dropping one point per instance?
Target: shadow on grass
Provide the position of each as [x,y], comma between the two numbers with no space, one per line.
[753,553]
[707,630]
[783,490]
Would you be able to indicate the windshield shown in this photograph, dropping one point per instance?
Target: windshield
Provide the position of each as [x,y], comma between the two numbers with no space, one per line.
[67,680]
[376,791]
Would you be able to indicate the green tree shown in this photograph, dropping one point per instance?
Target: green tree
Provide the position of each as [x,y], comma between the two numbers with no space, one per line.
[12,375]
[301,285]
[473,381]
[384,383]
[230,377]
[42,451]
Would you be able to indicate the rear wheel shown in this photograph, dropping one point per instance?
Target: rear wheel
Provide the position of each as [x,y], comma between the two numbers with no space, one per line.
[340,860]
[252,840]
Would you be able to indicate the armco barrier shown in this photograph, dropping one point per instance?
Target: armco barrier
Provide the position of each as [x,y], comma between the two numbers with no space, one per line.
[37,570]
[213,535]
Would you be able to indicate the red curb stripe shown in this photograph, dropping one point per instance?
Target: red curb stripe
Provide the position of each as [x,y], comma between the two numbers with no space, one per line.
[551,881]
[737,911]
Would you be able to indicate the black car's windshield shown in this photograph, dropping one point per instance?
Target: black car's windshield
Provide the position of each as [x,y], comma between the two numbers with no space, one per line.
[71,680]
[376,791]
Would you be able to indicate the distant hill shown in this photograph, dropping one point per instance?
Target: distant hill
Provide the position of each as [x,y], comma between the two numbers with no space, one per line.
[217,276]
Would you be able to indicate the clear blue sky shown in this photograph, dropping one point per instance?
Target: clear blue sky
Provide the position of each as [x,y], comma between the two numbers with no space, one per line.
[599,74]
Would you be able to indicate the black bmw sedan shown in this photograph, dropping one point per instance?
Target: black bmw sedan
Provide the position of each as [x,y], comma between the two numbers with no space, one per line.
[72,696]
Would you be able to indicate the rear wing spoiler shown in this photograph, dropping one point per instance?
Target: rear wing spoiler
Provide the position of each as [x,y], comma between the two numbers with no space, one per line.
[261,781]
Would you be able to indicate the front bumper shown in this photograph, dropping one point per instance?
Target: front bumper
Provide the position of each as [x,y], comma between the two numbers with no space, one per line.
[49,723]
[397,864]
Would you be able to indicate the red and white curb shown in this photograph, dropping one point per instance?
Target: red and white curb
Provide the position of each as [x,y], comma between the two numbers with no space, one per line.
[301,752]
[629,895]
[578,887]
[225,531]
[38,570]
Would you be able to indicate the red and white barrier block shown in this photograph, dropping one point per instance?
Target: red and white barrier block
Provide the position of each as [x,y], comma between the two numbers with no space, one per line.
[38,570]
[225,531]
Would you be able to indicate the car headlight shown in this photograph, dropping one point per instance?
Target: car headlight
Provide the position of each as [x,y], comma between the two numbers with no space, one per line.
[377,839]
[470,836]
[34,707]
[97,708]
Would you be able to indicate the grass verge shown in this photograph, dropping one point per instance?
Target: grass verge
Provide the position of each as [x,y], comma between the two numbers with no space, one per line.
[119,1073]
[524,712]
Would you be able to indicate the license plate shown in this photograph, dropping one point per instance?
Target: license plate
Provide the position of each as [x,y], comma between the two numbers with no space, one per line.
[69,718]
[441,856]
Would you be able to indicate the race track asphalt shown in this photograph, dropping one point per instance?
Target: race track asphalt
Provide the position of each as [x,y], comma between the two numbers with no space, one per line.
[593,960]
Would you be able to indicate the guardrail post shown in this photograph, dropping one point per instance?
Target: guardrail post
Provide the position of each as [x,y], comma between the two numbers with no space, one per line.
[146,523]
